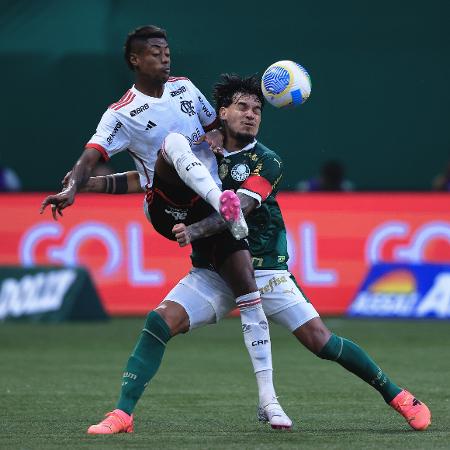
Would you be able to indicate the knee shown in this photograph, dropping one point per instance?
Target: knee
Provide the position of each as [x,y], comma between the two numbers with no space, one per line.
[175,317]
[314,335]
[318,342]
[174,141]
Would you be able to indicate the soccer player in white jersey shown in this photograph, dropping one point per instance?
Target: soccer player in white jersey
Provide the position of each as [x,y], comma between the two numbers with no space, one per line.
[157,112]
[160,112]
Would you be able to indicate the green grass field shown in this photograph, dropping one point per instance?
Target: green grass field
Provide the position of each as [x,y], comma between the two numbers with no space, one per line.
[56,380]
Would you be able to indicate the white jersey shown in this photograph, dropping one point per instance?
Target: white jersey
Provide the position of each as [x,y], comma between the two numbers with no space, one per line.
[139,124]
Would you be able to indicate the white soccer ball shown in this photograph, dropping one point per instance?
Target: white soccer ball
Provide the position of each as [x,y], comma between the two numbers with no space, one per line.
[286,83]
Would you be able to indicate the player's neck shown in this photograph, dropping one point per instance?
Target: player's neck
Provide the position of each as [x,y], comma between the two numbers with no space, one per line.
[149,87]
[234,145]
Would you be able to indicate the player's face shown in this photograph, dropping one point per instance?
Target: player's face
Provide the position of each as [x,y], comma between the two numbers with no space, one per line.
[243,117]
[153,60]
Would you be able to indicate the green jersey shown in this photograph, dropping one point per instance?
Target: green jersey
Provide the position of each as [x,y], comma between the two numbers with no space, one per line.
[256,171]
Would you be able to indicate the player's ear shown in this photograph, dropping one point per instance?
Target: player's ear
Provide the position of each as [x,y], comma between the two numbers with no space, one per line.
[223,113]
[134,60]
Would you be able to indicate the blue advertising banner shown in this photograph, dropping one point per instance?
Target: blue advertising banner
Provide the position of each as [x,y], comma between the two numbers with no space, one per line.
[404,291]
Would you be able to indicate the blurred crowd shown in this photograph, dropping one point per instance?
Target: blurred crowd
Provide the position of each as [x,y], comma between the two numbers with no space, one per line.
[331,178]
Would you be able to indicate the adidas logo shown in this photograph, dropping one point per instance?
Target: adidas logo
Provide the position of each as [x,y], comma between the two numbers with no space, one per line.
[150,125]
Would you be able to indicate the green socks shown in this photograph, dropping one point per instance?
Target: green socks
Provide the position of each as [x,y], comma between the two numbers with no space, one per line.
[356,360]
[144,362]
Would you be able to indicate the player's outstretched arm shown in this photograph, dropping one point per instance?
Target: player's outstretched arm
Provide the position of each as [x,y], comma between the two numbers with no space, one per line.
[213,224]
[78,177]
[117,183]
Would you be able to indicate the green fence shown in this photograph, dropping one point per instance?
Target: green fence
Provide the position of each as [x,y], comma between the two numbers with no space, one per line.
[380,73]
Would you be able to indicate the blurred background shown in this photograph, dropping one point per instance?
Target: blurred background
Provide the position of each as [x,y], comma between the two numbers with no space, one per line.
[380,100]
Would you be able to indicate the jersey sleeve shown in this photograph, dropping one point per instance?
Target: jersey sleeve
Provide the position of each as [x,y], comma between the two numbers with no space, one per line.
[111,136]
[203,108]
[264,179]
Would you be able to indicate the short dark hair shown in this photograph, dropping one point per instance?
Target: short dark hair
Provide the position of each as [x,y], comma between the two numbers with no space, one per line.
[139,36]
[231,84]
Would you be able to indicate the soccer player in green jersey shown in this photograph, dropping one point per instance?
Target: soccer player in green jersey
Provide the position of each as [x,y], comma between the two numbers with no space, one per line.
[255,171]
[204,298]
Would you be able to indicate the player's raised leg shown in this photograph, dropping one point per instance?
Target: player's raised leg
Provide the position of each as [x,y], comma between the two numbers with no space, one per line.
[178,154]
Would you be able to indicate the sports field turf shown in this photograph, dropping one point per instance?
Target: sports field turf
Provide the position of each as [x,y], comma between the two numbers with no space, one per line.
[56,380]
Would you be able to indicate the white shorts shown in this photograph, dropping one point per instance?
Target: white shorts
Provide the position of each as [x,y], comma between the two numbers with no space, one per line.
[207,299]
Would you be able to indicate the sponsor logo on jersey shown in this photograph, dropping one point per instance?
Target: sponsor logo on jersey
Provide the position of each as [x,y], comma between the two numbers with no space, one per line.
[187,107]
[258,168]
[278,162]
[273,282]
[223,169]
[240,172]
[207,112]
[179,91]
[150,125]
[246,328]
[137,111]
[176,213]
[195,136]
[394,290]
[115,130]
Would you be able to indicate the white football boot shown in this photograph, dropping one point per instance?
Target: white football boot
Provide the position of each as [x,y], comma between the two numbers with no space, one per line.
[273,413]
[231,212]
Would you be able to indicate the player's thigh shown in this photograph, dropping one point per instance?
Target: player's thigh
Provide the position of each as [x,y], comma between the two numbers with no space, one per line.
[165,206]
[282,300]
[204,296]
[166,172]
[237,269]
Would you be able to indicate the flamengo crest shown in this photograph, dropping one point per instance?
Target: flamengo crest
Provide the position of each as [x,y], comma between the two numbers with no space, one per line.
[187,107]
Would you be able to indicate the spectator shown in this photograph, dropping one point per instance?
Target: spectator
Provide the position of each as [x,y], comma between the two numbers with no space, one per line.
[442,181]
[332,178]
[9,181]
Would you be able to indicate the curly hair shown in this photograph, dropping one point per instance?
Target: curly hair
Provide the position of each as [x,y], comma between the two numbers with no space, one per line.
[138,37]
[231,84]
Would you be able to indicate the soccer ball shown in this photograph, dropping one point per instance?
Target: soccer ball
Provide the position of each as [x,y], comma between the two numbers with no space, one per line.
[286,83]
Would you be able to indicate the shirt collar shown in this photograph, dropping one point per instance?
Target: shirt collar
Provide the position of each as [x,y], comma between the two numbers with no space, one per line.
[147,97]
[247,147]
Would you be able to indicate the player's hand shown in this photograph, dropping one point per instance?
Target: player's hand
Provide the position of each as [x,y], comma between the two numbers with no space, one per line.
[181,232]
[59,201]
[215,140]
